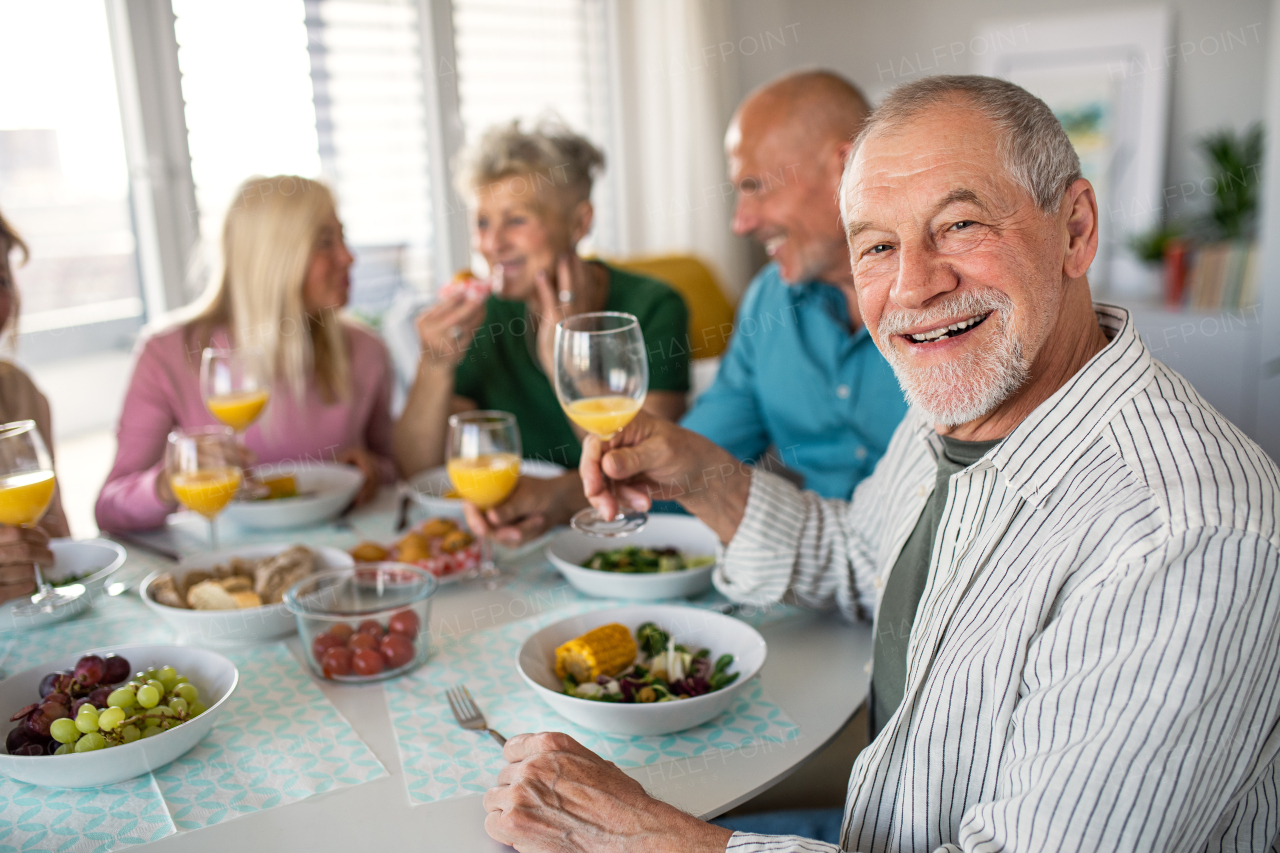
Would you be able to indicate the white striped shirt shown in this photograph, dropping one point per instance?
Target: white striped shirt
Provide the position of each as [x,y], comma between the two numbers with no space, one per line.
[1095,661]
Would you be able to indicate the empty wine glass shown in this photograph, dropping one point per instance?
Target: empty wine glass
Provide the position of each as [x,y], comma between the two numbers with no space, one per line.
[601,378]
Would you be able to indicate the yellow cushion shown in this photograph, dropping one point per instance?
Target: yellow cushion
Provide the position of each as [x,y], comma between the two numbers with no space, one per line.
[710,313]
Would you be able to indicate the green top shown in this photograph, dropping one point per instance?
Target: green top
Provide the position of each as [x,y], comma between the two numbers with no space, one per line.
[907,579]
[500,370]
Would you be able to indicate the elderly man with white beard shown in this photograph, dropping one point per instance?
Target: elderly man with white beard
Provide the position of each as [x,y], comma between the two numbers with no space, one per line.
[1072,560]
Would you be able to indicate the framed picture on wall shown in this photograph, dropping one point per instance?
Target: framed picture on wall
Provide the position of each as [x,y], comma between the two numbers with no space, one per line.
[1105,75]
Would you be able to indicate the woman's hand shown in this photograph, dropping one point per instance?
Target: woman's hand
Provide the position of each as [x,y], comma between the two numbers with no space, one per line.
[578,289]
[20,548]
[533,508]
[557,795]
[369,466]
[447,328]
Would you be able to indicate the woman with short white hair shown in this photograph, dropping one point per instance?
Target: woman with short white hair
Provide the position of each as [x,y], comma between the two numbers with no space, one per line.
[283,281]
[529,194]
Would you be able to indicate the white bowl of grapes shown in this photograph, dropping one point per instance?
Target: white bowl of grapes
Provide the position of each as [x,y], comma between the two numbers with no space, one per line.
[108,715]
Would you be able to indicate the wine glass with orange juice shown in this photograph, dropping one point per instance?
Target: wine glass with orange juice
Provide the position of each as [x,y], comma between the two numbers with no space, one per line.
[26,489]
[203,467]
[601,378]
[233,385]
[484,466]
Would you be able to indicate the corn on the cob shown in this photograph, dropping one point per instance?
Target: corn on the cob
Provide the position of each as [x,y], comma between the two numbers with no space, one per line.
[606,650]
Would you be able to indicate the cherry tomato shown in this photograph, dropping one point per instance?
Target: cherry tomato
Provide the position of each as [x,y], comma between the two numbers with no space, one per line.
[322,643]
[372,627]
[367,662]
[397,649]
[342,631]
[362,641]
[405,622]
[336,661]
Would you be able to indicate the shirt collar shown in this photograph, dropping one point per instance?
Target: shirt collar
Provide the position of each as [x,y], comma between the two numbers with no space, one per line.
[1040,450]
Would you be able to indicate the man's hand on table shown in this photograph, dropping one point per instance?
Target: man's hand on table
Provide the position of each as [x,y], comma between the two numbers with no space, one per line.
[20,549]
[654,459]
[534,507]
[557,795]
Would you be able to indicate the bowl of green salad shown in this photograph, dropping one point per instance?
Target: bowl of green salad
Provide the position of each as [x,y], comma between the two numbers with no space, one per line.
[673,556]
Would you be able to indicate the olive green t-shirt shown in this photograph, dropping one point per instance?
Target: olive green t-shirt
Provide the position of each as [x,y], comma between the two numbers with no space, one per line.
[500,370]
[906,583]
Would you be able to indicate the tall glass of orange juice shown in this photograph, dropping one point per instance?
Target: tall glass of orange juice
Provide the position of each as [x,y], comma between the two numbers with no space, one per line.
[484,466]
[26,490]
[203,467]
[602,377]
[233,385]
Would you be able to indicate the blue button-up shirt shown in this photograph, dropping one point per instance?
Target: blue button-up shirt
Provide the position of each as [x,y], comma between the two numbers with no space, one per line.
[794,377]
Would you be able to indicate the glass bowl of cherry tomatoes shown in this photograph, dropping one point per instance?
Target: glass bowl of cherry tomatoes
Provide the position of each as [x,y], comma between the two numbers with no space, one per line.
[366,623]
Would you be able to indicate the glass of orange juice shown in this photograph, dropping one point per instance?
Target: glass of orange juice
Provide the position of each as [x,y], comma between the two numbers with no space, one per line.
[26,490]
[602,377]
[233,385]
[203,467]
[484,466]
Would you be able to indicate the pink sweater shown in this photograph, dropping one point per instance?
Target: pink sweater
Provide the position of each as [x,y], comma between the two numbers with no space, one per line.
[164,394]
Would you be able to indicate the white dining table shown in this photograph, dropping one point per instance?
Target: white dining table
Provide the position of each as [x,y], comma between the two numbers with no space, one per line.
[816,671]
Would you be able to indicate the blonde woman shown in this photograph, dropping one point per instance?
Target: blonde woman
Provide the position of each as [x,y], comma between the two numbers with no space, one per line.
[283,282]
[20,400]
[530,205]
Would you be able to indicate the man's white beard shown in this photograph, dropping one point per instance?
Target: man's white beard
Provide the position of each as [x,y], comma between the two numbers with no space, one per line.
[965,388]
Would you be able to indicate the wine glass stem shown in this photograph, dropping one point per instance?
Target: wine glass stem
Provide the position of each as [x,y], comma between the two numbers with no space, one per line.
[42,585]
[487,566]
[213,533]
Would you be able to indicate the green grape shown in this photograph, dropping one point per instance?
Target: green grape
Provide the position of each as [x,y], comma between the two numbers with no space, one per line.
[90,742]
[158,685]
[149,675]
[179,706]
[168,676]
[87,719]
[65,749]
[197,708]
[122,697]
[182,679]
[109,719]
[187,692]
[148,696]
[130,733]
[64,731]
[161,711]
[152,731]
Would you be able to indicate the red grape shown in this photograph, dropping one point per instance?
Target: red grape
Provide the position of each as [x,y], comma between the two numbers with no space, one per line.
[362,641]
[322,643]
[49,683]
[342,631]
[397,649]
[39,720]
[336,661]
[372,627]
[90,670]
[405,622]
[22,715]
[98,697]
[366,662]
[116,669]
[60,698]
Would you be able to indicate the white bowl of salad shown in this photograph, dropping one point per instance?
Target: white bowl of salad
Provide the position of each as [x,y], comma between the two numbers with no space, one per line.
[688,665]
[672,556]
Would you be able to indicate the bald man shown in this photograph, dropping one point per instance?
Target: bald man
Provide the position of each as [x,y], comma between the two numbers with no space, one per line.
[801,373]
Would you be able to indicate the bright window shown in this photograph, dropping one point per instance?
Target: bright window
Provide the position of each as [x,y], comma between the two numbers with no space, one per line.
[64,183]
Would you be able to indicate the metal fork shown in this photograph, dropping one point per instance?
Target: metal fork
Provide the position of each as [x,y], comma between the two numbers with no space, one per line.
[467,714]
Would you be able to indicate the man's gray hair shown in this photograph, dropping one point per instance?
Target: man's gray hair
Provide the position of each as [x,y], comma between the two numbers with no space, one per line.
[1032,145]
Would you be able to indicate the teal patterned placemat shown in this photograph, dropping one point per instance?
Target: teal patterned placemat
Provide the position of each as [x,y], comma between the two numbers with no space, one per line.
[277,741]
[441,760]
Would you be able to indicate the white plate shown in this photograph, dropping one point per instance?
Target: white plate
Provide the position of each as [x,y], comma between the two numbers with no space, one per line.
[251,625]
[71,559]
[212,674]
[569,549]
[327,489]
[691,626]
[429,487]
